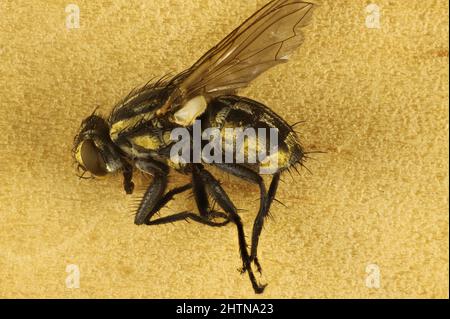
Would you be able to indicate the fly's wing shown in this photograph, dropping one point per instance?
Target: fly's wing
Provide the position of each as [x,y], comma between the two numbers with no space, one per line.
[265,40]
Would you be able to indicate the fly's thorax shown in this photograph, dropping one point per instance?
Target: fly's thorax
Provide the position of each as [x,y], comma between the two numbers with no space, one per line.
[151,140]
[122,126]
[138,108]
[146,140]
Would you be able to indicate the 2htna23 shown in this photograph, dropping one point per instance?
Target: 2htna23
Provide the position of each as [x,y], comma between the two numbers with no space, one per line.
[226,309]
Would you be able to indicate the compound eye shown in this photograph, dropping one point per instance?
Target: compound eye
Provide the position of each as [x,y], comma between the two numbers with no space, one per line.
[91,158]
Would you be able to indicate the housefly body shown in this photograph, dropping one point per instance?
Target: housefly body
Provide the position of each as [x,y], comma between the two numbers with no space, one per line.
[139,132]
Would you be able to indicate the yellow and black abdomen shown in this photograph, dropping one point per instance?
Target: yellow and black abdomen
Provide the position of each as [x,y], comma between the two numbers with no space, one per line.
[239,113]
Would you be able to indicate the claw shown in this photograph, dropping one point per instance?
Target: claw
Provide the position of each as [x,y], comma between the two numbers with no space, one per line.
[260,289]
[242,270]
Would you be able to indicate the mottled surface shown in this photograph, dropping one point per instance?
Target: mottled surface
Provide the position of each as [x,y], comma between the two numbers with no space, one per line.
[376,100]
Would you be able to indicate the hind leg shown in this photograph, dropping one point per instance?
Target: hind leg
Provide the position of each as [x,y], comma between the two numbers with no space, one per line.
[213,187]
[265,202]
[259,221]
[264,207]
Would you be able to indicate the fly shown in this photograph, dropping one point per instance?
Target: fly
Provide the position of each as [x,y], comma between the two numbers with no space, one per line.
[138,132]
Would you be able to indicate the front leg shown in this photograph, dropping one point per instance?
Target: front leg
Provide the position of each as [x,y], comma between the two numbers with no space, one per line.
[184,216]
[154,192]
[128,184]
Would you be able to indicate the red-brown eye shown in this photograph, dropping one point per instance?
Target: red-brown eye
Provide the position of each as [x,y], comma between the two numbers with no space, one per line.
[91,158]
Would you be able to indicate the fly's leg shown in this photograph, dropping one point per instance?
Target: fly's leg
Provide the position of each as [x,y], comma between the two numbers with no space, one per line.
[155,191]
[169,196]
[201,196]
[265,202]
[259,221]
[217,192]
[184,216]
[128,184]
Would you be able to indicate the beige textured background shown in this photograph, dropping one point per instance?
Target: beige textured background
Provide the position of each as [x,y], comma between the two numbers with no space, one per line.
[375,100]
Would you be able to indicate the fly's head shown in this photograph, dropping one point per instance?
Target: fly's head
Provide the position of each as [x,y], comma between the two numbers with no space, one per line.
[94,150]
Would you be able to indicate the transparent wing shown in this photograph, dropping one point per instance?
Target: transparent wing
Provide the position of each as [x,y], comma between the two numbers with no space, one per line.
[265,40]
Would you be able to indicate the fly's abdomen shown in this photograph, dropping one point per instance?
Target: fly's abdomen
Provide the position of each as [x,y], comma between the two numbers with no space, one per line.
[238,118]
